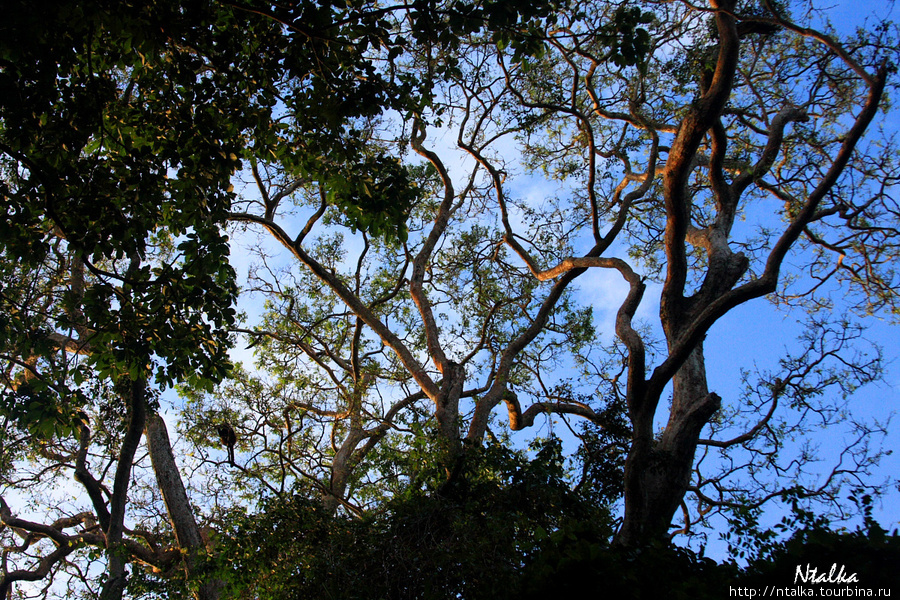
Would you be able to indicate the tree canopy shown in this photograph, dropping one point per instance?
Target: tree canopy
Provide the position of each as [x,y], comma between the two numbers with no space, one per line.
[352,237]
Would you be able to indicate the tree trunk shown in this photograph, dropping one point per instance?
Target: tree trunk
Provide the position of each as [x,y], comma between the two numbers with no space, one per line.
[114,587]
[178,506]
[341,467]
[658,471]
[447,406]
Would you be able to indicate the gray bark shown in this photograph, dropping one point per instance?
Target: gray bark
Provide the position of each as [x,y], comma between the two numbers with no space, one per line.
[178,505]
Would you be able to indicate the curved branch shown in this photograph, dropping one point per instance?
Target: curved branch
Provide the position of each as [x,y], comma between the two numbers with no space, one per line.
[441,220]
[519,420]
[701,117]
[690,335]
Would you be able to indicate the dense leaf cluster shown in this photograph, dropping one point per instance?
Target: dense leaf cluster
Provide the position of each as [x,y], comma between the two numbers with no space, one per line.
[515,530]
[470,540]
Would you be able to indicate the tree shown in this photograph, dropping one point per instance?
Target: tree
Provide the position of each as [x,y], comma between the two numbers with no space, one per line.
[736,105]
[122,126]
[117,170]
[663,140]
[415,291]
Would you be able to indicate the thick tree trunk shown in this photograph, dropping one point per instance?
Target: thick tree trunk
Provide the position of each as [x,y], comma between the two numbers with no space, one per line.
[178,505]
[658,471]
[653,490]
[341,467]
[449,437]
[447,406]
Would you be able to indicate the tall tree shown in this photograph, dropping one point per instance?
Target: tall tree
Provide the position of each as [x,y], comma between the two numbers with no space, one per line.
[122,125]
[117,164]
[666,125]
[359,337]
[739,112]
[413,285]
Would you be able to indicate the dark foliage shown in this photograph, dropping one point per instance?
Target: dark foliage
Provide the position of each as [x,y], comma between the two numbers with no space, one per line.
[471,542]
